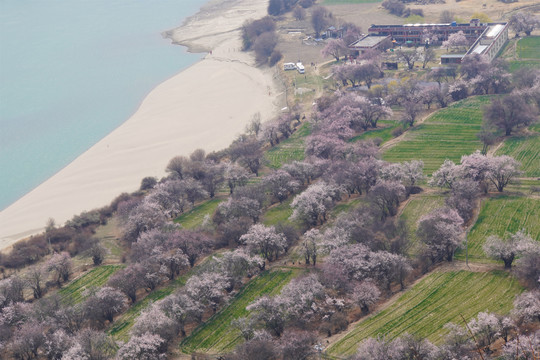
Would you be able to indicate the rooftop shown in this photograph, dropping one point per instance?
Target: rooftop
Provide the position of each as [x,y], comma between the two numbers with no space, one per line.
[369,41]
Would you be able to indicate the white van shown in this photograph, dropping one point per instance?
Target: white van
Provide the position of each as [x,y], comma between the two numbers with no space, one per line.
[289,66]
[300,68]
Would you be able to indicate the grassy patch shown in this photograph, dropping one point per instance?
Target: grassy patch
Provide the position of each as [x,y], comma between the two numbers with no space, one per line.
[108,235]
[347,206]
[438,299]
[195,217]
[97,277]
[216,335]
[289,149]
[518,64]
[522,187]
[501,215]
[525,149]
[385,133]
[529,47]
[278,213]
[419,205]
[447,134]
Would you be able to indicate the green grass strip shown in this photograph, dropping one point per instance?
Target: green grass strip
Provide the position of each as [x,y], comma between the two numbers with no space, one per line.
[384,133]
[502,215]
[529,47]
[195,217]
[447,134]
[216,334]
[419,205]
[289,149]
[438,299]
[525,149]
[278,213]
[97,277]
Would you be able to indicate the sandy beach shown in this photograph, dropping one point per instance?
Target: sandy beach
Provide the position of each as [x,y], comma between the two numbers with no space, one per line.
[204,106]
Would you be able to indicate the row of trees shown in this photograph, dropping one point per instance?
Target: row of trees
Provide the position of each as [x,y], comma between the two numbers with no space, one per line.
[261,37]
[279,7]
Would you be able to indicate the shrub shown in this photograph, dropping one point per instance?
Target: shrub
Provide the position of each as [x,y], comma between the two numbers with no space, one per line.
[274,58]
[398,131]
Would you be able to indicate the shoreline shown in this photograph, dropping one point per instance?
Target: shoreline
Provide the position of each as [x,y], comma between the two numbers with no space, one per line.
[208,103]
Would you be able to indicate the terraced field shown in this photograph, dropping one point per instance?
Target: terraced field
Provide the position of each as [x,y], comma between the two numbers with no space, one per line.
[278,213]
[195,217]
[525,149]
[528,47]
[122,325]
[418,206]
[384,133]
[447,134]
[289,149]
[97,277]
[216,335]
[518,64]
[500,215]
[438,299]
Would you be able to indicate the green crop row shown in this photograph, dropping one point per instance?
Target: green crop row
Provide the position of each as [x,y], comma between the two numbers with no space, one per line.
[384,133]
[529,47]
[438,299]
[195,217]
[216,335]
[278,213]
[500,216]
[289,149]
[95,278]
[525,149]
[419,205]
[447,134]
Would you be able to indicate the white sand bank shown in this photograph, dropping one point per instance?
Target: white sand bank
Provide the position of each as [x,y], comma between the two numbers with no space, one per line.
[204,106]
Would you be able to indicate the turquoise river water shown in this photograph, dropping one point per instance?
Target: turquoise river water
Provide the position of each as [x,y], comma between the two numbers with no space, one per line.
[71,71]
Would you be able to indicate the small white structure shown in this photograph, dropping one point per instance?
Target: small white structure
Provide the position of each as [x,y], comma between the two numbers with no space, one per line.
[300,68]
[289,66]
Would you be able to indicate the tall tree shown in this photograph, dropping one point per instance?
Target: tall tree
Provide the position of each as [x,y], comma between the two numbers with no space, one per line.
[408,57]
[318,20]
[335,48]
[508,249]
[509,113]
[524,22]
[441,232]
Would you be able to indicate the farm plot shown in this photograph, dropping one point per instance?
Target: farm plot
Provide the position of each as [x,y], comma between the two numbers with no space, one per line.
[447,134]
[289,149]
[195,217]
[384,133]
[438,299]
[525,149]
[216,335]
[418,206]
[501,215]
[278,213]
[515,65]
[73,293]
[529,47]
